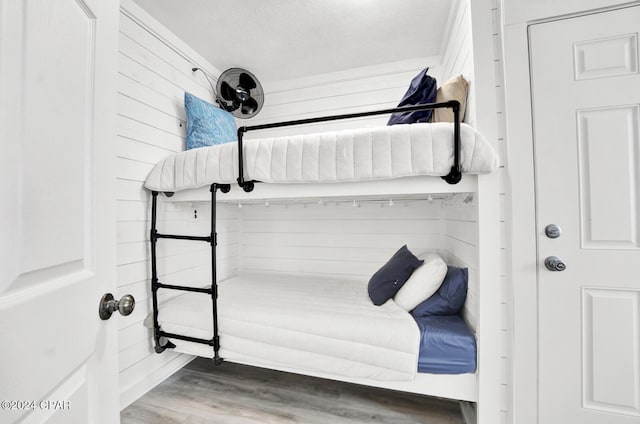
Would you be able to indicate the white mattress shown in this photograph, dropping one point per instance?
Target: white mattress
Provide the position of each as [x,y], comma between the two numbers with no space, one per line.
[311,324]
[340,156]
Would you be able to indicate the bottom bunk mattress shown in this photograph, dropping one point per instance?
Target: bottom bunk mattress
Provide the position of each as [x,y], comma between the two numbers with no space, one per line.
[447,346]
[314,324]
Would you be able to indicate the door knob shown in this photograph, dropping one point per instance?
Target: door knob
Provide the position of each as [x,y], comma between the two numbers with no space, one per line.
[554,263]
[108,305]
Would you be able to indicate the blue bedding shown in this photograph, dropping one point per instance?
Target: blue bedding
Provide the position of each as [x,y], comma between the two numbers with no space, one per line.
[447,346]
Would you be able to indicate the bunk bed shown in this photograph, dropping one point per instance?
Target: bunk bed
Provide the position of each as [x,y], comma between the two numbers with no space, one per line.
[298,325]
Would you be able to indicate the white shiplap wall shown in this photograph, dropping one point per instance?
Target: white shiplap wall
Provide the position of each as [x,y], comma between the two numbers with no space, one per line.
[457,56]
[335,239]
[459,245]
[356,90]
[154,72]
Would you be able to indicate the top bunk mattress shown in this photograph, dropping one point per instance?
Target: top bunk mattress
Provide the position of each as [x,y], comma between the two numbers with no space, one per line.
[362,154]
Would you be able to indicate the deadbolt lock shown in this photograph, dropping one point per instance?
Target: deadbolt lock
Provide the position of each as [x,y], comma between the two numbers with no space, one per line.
[552,231]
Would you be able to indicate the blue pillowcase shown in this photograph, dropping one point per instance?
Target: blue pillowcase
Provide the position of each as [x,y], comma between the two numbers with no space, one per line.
[207,125]
[449,298]
[386,282]
[423,89]
[447,346]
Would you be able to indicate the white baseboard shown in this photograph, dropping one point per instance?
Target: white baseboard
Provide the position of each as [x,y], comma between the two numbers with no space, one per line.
[142,386]
[468,412]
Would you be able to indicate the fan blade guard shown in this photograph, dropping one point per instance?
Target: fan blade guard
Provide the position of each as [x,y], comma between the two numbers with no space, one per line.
[240,92]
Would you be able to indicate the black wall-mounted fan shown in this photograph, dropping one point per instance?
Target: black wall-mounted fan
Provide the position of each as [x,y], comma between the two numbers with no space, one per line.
[239,92]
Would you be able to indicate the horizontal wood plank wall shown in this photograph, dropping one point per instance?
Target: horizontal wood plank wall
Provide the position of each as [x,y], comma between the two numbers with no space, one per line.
[459,245]
[154,72]
[357,90]
[335,239]
[457,57]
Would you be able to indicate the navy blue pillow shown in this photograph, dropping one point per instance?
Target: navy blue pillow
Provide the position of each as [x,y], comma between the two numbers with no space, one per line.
[449,298]
[386,282]
[423,89]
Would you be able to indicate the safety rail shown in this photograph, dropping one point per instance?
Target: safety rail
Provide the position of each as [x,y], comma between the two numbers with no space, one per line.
[454,176]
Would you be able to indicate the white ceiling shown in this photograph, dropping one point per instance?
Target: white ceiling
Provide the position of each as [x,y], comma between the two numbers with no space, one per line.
[283,39]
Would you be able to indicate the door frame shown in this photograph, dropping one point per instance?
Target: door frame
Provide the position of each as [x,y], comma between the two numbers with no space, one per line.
[520,206]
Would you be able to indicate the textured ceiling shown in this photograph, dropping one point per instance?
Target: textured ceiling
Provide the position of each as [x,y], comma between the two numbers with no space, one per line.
[282,39]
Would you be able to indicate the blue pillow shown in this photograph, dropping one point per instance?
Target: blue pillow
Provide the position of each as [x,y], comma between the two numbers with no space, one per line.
[207,125]
[423,89]
[386,282]
[449,298]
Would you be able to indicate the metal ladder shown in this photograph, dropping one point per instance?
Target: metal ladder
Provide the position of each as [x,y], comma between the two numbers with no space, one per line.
[212,291]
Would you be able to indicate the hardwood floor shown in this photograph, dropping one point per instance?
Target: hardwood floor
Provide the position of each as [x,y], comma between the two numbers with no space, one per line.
[237,394]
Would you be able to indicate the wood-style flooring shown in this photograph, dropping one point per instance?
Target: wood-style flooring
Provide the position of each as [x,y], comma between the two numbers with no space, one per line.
[237,394]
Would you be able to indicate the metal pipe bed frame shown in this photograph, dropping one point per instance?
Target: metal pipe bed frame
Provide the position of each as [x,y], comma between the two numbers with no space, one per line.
[454,177]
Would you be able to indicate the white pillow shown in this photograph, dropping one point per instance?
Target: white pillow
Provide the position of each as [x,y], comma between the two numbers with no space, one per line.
[423,283]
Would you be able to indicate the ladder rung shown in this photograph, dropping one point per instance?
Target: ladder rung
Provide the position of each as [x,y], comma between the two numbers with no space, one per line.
[185,288]
[186,338]
[179,237]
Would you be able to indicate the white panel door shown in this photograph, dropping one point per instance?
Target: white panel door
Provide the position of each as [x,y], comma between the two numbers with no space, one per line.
[57,236]
[586,102]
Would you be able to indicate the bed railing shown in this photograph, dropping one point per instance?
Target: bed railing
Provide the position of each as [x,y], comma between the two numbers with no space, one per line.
[454,176]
